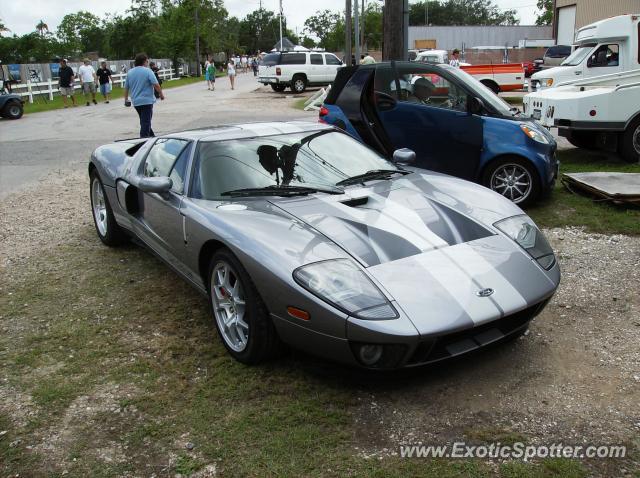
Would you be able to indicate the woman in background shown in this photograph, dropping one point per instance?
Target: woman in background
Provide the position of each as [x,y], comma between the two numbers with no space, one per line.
[206,74]
[231,72]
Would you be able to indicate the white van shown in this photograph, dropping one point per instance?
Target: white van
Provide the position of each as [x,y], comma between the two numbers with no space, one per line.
[602,48]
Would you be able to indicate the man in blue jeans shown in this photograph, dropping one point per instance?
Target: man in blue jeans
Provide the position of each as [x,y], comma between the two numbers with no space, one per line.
[141,82]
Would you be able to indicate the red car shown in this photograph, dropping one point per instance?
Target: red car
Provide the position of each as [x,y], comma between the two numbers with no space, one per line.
[529,68]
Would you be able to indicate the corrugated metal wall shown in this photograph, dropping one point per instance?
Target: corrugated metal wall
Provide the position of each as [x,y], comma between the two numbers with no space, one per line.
[589,11]
[450,37]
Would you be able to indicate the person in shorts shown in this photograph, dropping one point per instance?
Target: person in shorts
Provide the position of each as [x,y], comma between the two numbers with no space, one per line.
[87,76]
[65,83]
[211,72]
[104,79]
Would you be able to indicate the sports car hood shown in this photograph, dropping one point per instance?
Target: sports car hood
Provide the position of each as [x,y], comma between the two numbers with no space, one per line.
[431,255]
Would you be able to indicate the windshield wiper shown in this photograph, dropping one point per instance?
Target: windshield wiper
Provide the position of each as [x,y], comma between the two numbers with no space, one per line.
[370,175]
[277,190]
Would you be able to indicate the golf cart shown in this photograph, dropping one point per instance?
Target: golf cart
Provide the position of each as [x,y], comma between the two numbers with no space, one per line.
[11,105]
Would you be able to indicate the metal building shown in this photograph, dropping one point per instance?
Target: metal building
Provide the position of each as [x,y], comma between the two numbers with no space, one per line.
[450,37]
[569,15]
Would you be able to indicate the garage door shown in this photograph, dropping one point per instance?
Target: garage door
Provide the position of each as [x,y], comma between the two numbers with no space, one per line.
[566,25]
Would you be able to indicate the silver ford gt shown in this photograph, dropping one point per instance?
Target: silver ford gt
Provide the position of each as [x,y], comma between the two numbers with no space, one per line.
[300,235]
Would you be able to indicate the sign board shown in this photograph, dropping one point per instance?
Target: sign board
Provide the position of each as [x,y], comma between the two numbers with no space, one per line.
[425,44]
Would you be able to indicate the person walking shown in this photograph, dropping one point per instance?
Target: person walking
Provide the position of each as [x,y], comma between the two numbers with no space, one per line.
[455,61]
[88,79]
[231,72]
[206,74]
[254,65]
[105,79]
[65,83]
[367,59]
[155,70]
[141,82]
[211,71]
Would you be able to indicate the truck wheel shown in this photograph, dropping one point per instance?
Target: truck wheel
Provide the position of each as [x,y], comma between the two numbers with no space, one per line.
[13,110]
[514,178]
[582,139]
[298,84]
[492,85]
[278,87]
[630,147]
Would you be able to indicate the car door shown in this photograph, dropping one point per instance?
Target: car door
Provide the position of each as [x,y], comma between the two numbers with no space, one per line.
[160,224]
[422,108]
[605,59]
[316,68]
[332,63]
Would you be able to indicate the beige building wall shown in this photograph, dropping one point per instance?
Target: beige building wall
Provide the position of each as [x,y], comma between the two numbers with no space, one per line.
[589,11]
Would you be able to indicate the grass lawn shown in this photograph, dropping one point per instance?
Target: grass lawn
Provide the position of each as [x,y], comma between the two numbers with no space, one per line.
[40,104]
[564,208]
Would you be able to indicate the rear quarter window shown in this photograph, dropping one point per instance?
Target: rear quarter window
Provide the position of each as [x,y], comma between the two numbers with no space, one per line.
[271,59]
[294,59]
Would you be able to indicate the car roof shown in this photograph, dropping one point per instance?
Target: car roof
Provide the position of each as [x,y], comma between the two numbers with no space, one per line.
[248,130]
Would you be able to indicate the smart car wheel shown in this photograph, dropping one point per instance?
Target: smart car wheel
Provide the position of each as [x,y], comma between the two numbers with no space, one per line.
[106,226]
[13,110]
[240,315]
[515,179]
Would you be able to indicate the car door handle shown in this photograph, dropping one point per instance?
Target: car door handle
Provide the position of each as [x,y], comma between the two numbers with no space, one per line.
[577,73]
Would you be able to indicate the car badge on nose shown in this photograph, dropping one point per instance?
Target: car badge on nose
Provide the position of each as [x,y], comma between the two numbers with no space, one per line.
[484,292]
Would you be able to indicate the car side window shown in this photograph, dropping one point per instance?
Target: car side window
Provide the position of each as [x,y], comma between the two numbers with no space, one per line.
[316,59]
[162,156]
[179,170]
[426,87]
[384,81]
[332,59]
[605,55]
[293,59]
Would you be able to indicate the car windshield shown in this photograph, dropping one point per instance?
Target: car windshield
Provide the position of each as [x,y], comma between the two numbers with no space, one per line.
[578,55]
[317,159]
[484,93]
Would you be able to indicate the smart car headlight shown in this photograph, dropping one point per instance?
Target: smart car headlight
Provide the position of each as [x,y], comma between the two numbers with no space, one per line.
[524,231]
[534,134]
[344,285]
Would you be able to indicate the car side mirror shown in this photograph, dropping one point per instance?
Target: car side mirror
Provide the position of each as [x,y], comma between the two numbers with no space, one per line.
[475,105]
[159,184]
[404,156]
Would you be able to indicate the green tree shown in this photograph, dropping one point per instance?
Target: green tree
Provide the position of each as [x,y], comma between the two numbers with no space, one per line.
[77,30]
[545,17]
[460,12]
[325,26]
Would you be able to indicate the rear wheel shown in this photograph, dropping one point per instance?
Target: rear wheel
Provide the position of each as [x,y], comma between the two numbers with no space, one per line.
[13,110]
[492,85]
[241,317]
[514,178]
[106,226]
[278,87]
[298,84]
[582,139]
[630,142]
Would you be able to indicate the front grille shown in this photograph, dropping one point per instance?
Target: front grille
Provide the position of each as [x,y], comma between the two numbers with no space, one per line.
[450,345]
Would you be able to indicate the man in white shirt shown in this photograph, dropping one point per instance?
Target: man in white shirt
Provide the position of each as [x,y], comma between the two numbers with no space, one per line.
[455,61]
[88,78]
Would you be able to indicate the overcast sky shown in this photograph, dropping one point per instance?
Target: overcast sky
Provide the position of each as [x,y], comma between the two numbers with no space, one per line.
[21,17]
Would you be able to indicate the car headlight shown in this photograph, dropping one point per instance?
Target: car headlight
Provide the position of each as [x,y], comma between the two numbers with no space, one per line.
[545,82]
[344,285]
[534,134]
[524,231]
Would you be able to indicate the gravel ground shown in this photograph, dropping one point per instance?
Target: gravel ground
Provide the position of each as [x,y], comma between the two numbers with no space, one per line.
[575,378]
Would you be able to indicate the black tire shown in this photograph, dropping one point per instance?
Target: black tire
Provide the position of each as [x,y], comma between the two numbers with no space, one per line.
[630,142]
[492,174]
[583,139]
[112,234]
[263,342]
[492,85]
[298,83]
[278,87]
[13,110]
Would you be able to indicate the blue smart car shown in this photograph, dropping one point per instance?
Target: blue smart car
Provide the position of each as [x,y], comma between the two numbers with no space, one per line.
[454,124]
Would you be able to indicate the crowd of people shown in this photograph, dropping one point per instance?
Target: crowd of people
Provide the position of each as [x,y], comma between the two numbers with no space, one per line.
[234,65]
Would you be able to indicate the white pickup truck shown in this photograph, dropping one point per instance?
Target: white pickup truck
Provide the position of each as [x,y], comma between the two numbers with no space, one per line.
[601,48]
[601,112]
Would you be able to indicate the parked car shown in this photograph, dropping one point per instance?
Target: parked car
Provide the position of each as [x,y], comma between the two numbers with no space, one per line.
[298,69]
[454,124]
[497,77]
[555,55]
[299,234]
[602,48]
[11,105]
[529,68]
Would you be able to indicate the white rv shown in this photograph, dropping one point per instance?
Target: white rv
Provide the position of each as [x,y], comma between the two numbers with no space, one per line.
[605,47]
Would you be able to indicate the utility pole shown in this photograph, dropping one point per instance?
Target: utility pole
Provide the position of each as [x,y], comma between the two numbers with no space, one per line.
[281,46]
[392,23]
[347,34]
[197,39]
[405,30]
[356,20]
[364,39]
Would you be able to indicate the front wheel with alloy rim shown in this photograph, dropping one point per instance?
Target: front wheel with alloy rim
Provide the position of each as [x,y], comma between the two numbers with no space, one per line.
[298,84]
[241,317]
[106,226]
[630,142]
[513,178]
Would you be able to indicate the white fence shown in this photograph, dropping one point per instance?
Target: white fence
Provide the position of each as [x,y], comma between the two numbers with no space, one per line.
[50,87]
